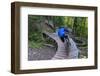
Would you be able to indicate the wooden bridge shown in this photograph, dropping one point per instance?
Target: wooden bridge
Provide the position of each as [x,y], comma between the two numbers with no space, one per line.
[63,52]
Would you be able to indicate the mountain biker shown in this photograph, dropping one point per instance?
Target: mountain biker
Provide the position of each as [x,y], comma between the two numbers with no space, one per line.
[63,33]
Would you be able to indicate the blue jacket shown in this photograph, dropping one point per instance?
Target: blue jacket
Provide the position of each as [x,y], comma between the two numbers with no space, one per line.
[61,31]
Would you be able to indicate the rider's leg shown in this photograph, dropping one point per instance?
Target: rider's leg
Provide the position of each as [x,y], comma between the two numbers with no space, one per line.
[62,39]
[67,39]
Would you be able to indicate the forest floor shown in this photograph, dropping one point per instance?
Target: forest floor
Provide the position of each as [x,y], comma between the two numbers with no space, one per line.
[44,53]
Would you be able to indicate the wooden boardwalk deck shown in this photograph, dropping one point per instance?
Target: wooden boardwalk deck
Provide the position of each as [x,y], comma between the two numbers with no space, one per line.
[63,52]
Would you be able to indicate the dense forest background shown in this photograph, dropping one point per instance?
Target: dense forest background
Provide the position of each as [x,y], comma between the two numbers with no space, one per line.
[78,25]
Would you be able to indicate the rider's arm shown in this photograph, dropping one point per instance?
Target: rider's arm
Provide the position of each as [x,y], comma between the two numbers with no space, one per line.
[66,30]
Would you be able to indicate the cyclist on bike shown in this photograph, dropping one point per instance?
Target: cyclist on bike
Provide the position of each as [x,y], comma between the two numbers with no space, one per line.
[63,33]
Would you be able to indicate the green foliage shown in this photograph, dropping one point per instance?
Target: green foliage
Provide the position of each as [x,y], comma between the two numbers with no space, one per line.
[58,21]
[35,36]
[69,21]
[33,44]
[35,31]
[80,27]
[34,28]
